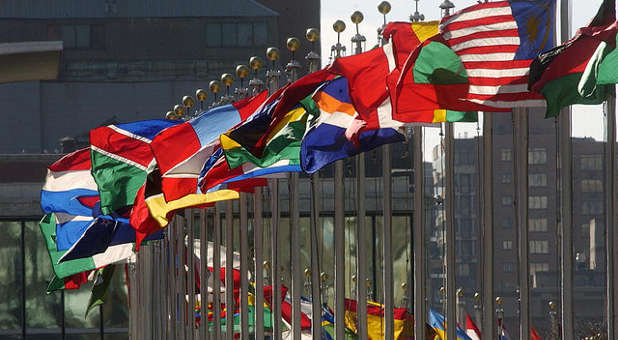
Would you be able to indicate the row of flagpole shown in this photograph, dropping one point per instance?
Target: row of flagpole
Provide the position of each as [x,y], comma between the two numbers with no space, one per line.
[170,255]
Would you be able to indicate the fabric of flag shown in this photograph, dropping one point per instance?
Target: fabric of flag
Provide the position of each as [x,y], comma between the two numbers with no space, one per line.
[479,61]
[103,278]
[471,329]
[68,283]
[569,74]
[403,321]
[113,254]
[333,113]
[121,158]
[182,150]
[534,335]
[437,322]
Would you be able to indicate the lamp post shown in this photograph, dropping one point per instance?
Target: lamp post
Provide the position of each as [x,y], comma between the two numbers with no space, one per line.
[214,86]
[312,35]
[384,8]
[227,79]
[188,103]
[242,71]
[338,50]
[201,96]
[179,111]
[255,63]
[417,16]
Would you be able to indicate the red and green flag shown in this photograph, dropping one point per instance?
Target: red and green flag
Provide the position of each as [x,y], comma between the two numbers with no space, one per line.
[578,71]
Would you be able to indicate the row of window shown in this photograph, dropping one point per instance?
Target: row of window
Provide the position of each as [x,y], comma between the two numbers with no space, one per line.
[540,180]
[539,156]
[534,202]
[536,246]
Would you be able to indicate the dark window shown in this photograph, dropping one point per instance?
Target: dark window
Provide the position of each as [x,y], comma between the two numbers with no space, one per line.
[230,35]
[245,34]
[213,35]
[97,36]
[260,33]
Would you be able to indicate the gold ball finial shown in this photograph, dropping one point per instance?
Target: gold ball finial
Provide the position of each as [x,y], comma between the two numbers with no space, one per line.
[339,26]
[272,53]
[442,290]
[324,276]
[499,300]
[369,283]
[293,44]
[214,86]
[312,34]
[266,265]
[357,17]
[201,95]
[227,79]
[307,272]
[179,110]
[255,63]
[188,102]
[477,296]
[404,286]
[242,71]
[460,292]
[384,7]
[353,278]
[170,115]
[552,305]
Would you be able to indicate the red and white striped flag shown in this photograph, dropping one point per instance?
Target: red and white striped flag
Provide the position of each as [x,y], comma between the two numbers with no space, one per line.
[497,42]
[471,330]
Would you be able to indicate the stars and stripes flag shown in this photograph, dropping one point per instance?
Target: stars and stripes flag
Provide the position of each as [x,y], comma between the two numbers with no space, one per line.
[497,42]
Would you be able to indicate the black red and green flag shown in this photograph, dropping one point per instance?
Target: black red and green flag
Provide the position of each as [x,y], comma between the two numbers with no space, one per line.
[579,71]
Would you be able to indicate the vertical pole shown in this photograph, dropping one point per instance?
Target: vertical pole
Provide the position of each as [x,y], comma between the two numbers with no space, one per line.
[244,254]
[274,246]
[258,243]
[610,208]
[339,251]
[216,285]
[229,271]
[171,267]
[203,276]
[566,204]
[191,283]
[23,279]
[420,310]
[521,147]
[297,284]
[449,204]
[316,297]
[387,243]
[487,296]
[182,291]
[361,249]
[62,317]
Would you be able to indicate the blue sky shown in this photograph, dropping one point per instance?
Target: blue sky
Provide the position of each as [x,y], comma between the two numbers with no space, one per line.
[587,120]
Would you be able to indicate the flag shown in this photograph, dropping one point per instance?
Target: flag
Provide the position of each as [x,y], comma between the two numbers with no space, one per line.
[403,321]
[113,254]
[332,113]
[437,322]
[182,150]
[479,61]
[534,335]
[121,158]
[103,279]
[569,73]
[471,329]
[72,282]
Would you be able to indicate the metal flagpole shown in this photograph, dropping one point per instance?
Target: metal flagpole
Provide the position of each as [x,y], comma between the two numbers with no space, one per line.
[297,281]
[182,288]
[191,283]
[488,325]
[521,159]
[255,63]
[204,274]
[339,232]
[420,310]
[312,36]
[229,270]
[216,286]
[272,75]
[449,204]
[566,179]
[171,269]
[610,206]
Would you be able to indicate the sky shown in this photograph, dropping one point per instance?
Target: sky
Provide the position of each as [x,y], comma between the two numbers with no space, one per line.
[587,120]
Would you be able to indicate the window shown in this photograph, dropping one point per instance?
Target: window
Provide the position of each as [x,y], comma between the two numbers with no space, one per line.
[508,267]
[507,178]
[213,35]
[506,154]
[539,247]
[591,185]
[537,224]
[537,156]
[538,267]
[507,200]
[260,33]
[591,162]
[507,224]
[463,269]
[230,34]
[592,207]
[507,245]
[537,180]
[242,34]
[76,36]
[245,34]
[537,202]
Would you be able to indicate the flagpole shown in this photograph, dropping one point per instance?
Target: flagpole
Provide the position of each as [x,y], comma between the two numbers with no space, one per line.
[180,229]
[339,232]
[272,75]
[312,35]
[610,201]
[420,273]
[255,63]
[191,283]
[216,286]
[521,158]
[488,325]
[204,334]
[449,204]
[566,226]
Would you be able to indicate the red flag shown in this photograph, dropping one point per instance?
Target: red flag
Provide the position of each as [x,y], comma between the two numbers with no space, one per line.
[471,330]
[534,335]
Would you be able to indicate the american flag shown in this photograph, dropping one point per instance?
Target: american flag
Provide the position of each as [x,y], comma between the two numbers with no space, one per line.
[489,40]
